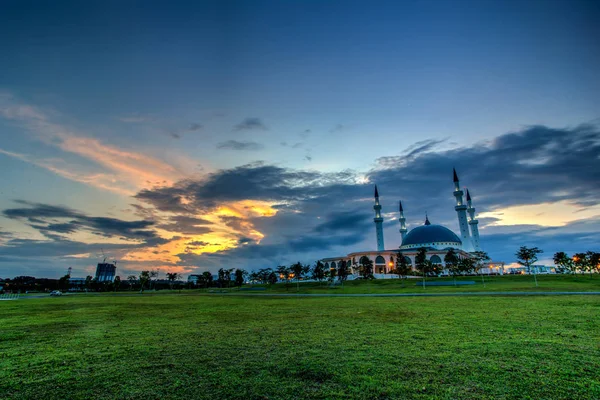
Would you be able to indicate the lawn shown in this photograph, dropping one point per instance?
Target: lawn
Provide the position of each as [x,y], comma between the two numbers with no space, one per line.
[505,283]
[191,345]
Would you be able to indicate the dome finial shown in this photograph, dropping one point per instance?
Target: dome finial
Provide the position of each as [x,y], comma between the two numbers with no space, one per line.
[427,219]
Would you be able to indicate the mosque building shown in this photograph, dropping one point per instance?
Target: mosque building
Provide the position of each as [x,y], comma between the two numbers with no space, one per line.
[437,239]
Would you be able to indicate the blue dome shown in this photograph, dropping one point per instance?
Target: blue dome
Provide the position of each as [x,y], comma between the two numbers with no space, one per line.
[430,234]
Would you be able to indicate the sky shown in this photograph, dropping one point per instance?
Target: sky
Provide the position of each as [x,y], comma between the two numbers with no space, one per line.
[190,136]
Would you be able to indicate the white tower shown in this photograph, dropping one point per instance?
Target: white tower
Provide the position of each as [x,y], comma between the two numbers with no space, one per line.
[473,223]
[378,222]
[402,220]
[461,210]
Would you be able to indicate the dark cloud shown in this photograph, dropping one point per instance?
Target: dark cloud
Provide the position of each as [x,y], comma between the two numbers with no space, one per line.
[195,127]
[345,221]
[47,219]
[186,225]
[36,211]
[237,145]
[251,123]
[175,135]
[199,243]
[233,222]
[248,182]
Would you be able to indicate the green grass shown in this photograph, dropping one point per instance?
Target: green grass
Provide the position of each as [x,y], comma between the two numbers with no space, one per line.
[191,345]
[508,283]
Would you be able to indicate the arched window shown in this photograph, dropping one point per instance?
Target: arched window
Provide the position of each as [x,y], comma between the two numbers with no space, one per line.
[333,264]
[407,258]
[327,265]
[380,260]
[435,260]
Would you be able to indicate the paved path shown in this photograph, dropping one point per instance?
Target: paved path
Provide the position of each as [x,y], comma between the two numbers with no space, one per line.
[409,294]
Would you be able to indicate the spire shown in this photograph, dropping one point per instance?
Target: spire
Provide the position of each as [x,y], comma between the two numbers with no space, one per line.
[427,220]
[402,221]
[468,195]
[455,176]
[378,222]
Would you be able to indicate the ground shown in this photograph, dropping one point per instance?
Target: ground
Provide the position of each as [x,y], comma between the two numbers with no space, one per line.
[211,346]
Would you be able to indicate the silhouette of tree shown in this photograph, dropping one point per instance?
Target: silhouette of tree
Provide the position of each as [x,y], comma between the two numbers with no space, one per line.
[527,256]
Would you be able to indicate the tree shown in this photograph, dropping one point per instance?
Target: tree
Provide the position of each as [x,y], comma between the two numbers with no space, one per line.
[132,279]
[466,265]
[332,275]
[144,278]
[479,260]
[594,260]
[240,276]
[117,283]
[172,277]
[587,261]
[272,277]
[299,270]
[451,261]
[283,272]
[343,271]
[422,264]
[403,268]
[63,282]
[264,275]
[318,271]
[564,264]
[88,283]
[153,274]
[207,279]
[365,267]
[253,277]
[527,256]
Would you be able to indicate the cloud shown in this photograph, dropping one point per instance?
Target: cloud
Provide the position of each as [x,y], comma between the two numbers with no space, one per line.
[49,220]
[126,171]
[251,123]
[237,145]
[338,128]
[345,221]
[195,127]
[187,225]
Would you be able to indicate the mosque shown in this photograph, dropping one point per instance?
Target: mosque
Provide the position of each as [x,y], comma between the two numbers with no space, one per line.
[437,239]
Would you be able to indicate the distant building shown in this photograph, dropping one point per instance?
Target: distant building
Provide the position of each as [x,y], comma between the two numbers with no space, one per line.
[105,272]
[194,279]
[436,239]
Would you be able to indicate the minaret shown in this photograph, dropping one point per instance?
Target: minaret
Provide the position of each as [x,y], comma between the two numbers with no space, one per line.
[378,222]
[402,220]
[473,223]
[461,210]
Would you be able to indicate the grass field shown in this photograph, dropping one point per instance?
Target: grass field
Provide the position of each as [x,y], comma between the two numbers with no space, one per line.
[506,283]
[190,345]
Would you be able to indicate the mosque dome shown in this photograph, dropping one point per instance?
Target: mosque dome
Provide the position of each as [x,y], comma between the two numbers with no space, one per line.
[430,235]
